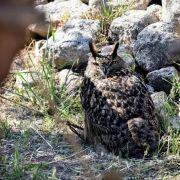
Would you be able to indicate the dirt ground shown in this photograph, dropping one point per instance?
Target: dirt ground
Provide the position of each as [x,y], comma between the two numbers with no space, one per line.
[32,149]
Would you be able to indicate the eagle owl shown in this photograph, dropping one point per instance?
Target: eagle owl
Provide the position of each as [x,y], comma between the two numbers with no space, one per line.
[119,112]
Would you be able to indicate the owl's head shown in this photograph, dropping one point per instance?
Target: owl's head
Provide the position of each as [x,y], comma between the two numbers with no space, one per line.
[106,64]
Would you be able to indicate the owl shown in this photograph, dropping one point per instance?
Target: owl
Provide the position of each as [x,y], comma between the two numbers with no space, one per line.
[119,112]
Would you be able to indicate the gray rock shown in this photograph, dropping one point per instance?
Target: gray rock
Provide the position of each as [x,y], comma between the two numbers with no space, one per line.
[68,80]
[175,121]
[137,5]
[153,45]
[71,42]
[57,13]
[128,26]
[27,78]
[159,99]
[171,12]
[156,10]
[41,29]
[150,89]
[161,80]
[123,51]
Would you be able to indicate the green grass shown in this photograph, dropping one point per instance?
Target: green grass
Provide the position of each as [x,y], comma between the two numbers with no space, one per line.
[170,141]
[45,96]
[16,169]
[106,15]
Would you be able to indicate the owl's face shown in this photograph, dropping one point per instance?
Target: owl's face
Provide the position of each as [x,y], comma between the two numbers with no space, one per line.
[106,64]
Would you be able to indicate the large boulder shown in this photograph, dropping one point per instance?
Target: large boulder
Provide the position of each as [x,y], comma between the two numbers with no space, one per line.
[161,80]
[70,43]
[160,99]
[153,46]
[171,12]
[128,26]
[57,13]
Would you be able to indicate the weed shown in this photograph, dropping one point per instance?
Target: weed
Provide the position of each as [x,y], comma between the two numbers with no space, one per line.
[6,128]
[106,15]
[170,141]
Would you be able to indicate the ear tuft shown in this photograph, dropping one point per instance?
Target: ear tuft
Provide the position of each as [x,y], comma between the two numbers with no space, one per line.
[93,49]
[114,53]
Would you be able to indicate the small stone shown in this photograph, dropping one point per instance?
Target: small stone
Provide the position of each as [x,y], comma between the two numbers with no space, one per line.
[27,78]
[161,80]
[156,10]
[159,99]
[175,121]
[136,5]
[150,88]
[39,28]
[171,13]
[67,79]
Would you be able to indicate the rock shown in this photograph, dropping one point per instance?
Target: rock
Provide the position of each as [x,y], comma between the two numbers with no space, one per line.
[150,89]
[57,13]
[27,78]
[175,121]
[153,45]
[156,10]
[68,80]
[128,26]
[71,42]
[171,12]
[123,51]
[159,99]
[161,80]
[159,2]
[137,5]
[96,6]
[41,29]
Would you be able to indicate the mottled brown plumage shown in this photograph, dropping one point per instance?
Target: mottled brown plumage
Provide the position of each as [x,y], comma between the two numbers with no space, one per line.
[119,112]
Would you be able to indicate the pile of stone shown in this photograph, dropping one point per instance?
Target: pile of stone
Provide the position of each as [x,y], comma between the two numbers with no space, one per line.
[148,35]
